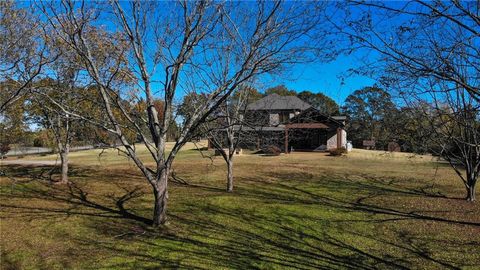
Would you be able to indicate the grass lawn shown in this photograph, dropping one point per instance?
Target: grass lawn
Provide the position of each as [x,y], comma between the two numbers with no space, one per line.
[366,210]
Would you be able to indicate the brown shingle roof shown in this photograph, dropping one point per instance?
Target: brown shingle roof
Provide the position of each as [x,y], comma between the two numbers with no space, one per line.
[277,102]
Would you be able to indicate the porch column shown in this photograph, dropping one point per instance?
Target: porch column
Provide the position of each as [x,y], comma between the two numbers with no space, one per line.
[286,140]
[339,137]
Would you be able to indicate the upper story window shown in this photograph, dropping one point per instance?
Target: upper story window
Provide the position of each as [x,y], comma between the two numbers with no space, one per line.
[284,117]
[274,119]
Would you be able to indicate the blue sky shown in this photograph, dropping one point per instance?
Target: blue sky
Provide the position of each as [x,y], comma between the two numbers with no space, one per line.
[325,78]
[318,77]
[315,77]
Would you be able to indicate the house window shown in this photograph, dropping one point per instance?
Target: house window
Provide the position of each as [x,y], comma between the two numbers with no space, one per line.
[274,119]
[284,117]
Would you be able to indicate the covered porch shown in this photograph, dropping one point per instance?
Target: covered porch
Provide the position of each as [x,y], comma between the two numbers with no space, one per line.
[312,137]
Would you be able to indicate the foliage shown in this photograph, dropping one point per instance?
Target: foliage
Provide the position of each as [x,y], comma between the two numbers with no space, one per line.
[321,102]
[190,104]
[23,52]
[414,136]
[281,90]
[338,152]
[38,142]
[251,93]
[393,147]
[4,148]
[370,113]
[12,124]
[140,109]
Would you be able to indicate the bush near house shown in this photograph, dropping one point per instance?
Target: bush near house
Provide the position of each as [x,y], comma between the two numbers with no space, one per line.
[272,150]
[338,151]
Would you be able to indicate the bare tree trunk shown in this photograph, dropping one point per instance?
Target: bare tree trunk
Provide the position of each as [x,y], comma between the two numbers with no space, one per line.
[471,190]
[471,193]
[64,163]
[161,196]
[229,174]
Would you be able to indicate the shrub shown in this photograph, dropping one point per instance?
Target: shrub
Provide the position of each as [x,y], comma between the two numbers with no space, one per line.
[38,142]
[394,147]
[272,150]
[4,148]
[338,151]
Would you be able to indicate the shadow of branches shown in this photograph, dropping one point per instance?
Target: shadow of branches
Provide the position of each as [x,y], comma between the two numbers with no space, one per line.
[269,226]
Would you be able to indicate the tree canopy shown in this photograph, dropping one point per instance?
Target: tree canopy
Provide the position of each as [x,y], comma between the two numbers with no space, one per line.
[321,102]
[370,112]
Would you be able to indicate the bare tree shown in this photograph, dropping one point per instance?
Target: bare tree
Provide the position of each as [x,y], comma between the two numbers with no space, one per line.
[417,39]
[428,52]
[203,47]
[455,124]
[226,130]
[60,87]
[47,115]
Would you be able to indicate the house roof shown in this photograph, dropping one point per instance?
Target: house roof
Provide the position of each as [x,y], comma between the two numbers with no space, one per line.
[312,115]
[277,102]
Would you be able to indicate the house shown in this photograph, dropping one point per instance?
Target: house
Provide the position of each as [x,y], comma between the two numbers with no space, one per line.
[292,125]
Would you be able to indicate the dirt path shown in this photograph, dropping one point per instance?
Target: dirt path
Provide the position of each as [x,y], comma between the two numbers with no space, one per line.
[30,162]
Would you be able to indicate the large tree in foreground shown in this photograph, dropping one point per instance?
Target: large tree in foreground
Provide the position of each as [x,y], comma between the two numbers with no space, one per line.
[428,53]
[204,47]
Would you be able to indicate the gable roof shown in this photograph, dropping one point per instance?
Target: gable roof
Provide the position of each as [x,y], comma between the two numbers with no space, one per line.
[277,102]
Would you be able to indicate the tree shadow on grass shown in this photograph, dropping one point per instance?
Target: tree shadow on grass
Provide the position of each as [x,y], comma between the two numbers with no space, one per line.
[203,235]
[357,199]
[206,235]
[206,243]
[237,238]
[22,173]
[65,200]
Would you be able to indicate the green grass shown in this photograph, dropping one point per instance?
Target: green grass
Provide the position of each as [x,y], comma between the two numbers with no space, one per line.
[367,210]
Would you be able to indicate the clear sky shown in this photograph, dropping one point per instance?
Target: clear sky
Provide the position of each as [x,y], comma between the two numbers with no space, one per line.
[326,78]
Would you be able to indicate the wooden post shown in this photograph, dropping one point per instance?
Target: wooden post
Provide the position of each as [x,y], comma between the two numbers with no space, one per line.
[286,140]
[339,137]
